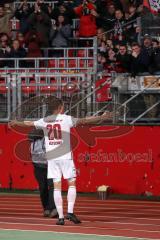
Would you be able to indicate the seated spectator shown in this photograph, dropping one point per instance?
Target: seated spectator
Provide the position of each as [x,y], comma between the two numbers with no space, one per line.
[87,14]
[21,39]
[4,40]
[101,62]
[16,52]
[60,33]
[41,23]
[4,49]
[4,21]
[140,60]
[22,13]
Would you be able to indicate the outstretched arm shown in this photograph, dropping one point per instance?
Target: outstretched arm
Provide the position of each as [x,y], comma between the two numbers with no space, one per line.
[94,119]
[22,123]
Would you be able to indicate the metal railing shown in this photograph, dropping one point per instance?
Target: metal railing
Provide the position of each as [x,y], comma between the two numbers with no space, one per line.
[143,86]
[31,3]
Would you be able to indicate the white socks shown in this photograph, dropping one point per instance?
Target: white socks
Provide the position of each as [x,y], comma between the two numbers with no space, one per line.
[58,202]
[71,197]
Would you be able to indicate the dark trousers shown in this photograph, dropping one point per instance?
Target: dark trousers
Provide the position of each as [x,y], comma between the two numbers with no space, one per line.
[45,187]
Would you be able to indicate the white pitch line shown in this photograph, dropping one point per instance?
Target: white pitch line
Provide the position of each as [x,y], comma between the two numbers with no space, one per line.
[84,234]
[83,227]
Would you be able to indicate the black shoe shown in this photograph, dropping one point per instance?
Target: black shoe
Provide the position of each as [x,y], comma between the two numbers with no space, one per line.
[72,217]
[53,213]
[60,221]
[46,213]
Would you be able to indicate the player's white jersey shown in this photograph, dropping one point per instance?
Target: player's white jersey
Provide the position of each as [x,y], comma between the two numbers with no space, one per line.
[57,135]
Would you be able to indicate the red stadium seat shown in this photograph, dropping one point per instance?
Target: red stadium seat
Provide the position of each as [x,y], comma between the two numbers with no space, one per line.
[29,88]
[72,63]
[48,88]
[81,53]
[3,87]
[51,63]
[103,94]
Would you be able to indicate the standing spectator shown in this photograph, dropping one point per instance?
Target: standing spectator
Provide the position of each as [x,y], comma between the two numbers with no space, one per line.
[41,23]
[131,29]
[22,13]
[62,9]
[119,34]
[123,59]
[155,57]
[33,43]
[4,21]
[60,33]
[87,14]
[140,60]
[147,44]
[106,16]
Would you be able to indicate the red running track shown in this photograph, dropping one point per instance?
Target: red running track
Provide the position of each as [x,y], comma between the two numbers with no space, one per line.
[139,219]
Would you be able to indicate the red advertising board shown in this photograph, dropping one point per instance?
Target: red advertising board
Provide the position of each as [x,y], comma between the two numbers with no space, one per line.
[125,158]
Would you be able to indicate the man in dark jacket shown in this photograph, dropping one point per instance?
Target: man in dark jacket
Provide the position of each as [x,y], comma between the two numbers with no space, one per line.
[140,60]
[38,152]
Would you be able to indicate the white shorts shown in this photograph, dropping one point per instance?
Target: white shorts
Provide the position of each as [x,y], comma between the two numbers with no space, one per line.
[59,168]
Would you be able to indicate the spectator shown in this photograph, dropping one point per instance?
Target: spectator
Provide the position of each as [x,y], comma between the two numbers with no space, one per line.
[106,16]
[131,29]
[155,57]
[41,23]
[119,34]
[4,21]
[4,48]
[62,9]
[33,43]
[140,60]
[147,44]
[60,33]
[16,51]
[87,14]
[123,59]
[22,13]
[21,39]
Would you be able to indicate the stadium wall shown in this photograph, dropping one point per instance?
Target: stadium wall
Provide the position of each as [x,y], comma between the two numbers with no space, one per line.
[123,157]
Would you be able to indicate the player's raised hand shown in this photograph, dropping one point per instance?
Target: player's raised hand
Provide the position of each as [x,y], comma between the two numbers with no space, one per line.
[107,115]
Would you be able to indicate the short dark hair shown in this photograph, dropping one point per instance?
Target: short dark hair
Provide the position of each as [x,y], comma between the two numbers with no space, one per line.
[135,44]
[53,103]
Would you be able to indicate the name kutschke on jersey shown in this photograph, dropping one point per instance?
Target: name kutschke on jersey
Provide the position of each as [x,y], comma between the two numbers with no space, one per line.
[56,141]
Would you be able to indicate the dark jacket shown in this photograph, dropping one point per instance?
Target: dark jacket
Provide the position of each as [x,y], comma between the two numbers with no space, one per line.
[141,63]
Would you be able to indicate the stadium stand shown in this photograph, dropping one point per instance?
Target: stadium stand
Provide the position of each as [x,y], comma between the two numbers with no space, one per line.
[96,51]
